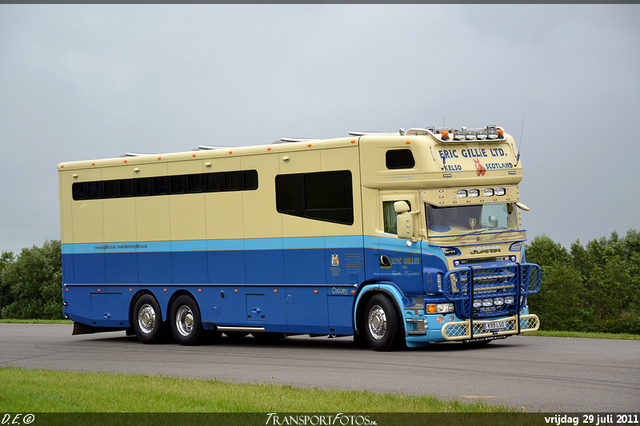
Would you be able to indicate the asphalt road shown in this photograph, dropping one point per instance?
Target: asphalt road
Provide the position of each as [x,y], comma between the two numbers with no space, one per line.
[538,373]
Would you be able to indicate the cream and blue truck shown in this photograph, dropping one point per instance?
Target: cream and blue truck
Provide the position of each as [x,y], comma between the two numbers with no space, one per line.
[405,238]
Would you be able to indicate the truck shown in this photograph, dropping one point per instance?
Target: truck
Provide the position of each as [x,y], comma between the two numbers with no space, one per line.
[399,239]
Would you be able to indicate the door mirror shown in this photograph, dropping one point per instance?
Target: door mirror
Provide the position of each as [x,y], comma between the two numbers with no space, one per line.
[401,206]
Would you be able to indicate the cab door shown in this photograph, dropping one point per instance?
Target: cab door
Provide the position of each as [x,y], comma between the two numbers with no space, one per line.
[399,259]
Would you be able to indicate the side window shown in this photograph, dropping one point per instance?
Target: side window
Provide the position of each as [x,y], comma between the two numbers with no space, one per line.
[390,217]
[243,180]
[326,196]
[160,186]
[144,187]
[195,183]
[80,191]
[400,159]
[111,188]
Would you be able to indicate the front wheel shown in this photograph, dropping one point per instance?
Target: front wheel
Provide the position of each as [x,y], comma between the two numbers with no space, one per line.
[186,326]
[382,328]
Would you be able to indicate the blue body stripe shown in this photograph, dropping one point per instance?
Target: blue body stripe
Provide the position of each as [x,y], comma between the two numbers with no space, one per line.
[215,245]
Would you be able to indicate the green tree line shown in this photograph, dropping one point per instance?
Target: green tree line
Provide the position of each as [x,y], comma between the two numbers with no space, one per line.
[31,283]
[592,288]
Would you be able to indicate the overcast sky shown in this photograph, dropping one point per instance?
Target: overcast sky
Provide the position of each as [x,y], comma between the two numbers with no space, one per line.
[81,82]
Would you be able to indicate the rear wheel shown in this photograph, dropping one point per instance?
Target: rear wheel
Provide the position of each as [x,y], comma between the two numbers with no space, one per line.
[186,326]
[382,328]
[147,319]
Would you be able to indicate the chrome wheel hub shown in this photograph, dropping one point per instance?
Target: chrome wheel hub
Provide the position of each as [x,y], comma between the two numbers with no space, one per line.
[184,320]
[147,319]
[377,322]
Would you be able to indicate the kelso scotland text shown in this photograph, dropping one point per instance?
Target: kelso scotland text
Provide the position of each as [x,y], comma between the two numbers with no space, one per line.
[405,238]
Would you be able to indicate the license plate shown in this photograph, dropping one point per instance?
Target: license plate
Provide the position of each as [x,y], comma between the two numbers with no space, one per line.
[496,325]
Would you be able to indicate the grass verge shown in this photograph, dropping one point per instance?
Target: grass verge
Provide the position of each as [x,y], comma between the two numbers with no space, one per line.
[47,391]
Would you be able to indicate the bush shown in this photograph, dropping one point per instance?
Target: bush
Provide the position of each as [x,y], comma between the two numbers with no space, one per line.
[32,284]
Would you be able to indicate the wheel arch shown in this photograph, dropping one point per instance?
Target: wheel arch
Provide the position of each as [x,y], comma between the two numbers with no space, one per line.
[388,288]
[182,292]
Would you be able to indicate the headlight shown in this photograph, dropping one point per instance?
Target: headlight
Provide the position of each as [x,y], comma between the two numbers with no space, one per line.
[487,302]
[488,192]
[500,191]
[509,300]
[474,193]
[444,308]
[498,301]
[477,303]
[440,308]
[461,193]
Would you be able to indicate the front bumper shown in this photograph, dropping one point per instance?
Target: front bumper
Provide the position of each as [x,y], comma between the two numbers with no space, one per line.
[461,330]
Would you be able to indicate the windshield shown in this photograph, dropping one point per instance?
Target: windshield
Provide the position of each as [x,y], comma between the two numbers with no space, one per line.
[468,219]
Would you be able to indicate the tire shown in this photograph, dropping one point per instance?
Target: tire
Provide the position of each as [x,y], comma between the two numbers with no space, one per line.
[147,319]
[382,328]
[184,318]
